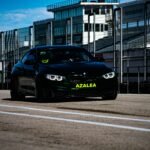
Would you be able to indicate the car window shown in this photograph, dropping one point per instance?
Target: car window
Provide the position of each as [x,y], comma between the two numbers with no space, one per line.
[44,57]
[29,58]
[63,56]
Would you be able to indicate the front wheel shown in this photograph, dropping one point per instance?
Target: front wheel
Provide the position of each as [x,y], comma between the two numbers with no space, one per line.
[111,96]
[43,93]
[14,92]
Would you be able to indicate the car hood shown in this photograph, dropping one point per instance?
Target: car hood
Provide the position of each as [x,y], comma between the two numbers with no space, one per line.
[97,68]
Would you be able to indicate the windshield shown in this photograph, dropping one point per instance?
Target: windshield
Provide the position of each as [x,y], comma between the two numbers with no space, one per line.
[52,56]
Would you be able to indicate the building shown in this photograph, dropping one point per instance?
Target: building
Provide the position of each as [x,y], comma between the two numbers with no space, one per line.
[128,50]
[42,32]
[81,22]
[13,45]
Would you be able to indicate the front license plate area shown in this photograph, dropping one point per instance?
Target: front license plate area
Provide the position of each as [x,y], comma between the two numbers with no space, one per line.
[85,85]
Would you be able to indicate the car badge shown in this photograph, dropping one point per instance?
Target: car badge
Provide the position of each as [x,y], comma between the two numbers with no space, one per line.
[84,74]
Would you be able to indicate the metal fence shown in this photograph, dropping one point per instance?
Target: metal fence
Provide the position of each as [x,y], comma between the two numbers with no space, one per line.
[135,80]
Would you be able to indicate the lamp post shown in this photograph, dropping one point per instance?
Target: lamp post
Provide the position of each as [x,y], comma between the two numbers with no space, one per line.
[145,38]
[120,10]
[114,38]
[121,47]
[51,32]
[89,32]
[94,44]
[92,13]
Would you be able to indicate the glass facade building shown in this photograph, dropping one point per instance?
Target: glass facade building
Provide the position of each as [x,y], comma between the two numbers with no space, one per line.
[82,21]
[24,40]
[42,32]
[129,49]
[13,45]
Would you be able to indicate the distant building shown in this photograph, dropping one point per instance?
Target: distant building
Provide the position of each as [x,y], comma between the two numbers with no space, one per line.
[13,44]
[80,22]
[131,59]
[42,32]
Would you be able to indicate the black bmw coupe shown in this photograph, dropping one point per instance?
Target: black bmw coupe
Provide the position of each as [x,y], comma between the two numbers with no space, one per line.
[62,71]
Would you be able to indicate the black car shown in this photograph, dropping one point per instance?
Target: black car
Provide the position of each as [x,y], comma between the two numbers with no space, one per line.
[62,71]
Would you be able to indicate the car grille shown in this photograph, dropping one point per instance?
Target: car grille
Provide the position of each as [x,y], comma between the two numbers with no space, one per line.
[82,77]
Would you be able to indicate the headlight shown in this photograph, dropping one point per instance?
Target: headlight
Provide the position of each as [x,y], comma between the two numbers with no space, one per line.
[54,77]
[109,75]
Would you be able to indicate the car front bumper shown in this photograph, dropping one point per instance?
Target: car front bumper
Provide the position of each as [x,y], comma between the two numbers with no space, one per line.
[82,88]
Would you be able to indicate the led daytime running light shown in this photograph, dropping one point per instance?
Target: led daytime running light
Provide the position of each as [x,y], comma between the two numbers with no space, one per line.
[109,75]
[54,77]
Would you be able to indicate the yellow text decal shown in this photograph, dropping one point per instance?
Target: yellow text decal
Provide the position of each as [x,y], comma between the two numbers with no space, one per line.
[85,85]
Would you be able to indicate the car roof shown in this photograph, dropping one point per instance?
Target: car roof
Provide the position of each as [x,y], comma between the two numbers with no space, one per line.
[56,47]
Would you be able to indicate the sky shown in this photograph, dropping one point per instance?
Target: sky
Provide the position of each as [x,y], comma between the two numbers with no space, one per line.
[22,13]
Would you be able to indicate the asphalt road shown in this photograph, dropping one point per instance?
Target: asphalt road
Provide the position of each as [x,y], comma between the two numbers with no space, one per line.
[75,124]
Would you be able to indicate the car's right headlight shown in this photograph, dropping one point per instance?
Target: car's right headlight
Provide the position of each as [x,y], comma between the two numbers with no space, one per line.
[53,77]
[109,75]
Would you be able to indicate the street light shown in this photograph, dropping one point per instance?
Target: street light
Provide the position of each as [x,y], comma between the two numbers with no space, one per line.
[121,41]
[94,44]
[145,38]
[92,13]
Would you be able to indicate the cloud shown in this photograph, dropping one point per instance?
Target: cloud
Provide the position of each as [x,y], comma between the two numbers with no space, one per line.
[22,18]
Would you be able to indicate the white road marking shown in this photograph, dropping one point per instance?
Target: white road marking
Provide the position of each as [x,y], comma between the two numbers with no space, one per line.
[75,113]
[76,121]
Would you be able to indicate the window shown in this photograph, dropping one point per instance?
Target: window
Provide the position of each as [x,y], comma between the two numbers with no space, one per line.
[102,28]
[108,9]
[97,26]
[96,11]
[73,12]
[86,27]
[87,11]
[53,56]
[132,24]
[29,58]
[45,57]
[79,11]
[141,23]
[103,10]
[65,14]
[106,27]
[58,15]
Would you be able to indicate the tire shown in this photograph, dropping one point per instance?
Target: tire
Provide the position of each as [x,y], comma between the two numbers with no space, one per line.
[111,96]
[14,92]
[41,93]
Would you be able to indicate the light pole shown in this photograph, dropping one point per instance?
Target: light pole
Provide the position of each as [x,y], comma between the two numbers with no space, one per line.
[114,38]
[145,38]
[89,32]
[92,13]
[71,30]
[94,44]
[51,32]
[120,10]
[48,37]
[121,47]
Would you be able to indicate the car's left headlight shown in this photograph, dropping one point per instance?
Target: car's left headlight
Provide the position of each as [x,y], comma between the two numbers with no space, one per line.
[109,75]
[53,77]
